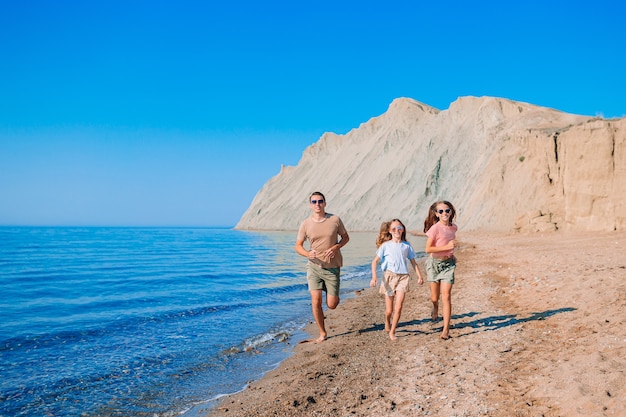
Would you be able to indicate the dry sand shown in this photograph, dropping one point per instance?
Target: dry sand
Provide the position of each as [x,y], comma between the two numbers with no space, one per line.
[539,329]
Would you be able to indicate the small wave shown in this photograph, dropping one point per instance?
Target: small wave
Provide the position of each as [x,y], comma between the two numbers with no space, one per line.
[281,334]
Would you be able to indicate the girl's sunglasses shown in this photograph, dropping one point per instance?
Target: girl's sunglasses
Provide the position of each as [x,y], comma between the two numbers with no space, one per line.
[441,211]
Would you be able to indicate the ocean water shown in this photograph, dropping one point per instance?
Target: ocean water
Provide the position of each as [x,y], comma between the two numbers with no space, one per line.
[149,321]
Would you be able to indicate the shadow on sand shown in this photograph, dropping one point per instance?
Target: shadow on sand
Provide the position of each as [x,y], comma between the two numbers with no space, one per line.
[484,324]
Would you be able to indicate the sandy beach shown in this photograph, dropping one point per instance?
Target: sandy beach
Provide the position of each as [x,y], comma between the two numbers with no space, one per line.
[538,330]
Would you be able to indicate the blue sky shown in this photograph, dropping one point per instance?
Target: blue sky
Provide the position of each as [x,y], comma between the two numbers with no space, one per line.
[155,113]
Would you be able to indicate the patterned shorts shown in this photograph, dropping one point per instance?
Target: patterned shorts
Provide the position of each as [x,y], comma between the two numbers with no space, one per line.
[439,270]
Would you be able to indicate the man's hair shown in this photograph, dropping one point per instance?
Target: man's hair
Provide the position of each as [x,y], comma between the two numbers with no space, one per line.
[317,193]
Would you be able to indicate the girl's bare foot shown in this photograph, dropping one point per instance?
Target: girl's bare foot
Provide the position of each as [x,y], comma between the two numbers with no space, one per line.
[433,314]
[445,336]
[392,335]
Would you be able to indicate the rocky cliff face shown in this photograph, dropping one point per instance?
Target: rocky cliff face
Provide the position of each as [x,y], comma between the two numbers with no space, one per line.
[505,165]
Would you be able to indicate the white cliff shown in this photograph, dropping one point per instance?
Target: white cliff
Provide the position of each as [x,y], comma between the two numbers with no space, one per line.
[505,165]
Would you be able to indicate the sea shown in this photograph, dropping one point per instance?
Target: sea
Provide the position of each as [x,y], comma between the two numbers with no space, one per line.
[115,321]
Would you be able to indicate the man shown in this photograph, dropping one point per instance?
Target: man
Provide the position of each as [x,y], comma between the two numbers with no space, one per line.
[323,231]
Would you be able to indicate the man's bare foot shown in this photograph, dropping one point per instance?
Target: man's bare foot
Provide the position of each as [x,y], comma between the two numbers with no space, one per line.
[445,336]
[318,340]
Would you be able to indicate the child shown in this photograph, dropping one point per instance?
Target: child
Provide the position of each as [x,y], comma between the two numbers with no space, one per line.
[441,240]
[395,255]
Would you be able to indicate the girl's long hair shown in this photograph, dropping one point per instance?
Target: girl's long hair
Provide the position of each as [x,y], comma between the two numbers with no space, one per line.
[383,234]
[433,217]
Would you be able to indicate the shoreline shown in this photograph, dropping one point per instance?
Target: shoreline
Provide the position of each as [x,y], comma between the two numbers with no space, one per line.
[535,332]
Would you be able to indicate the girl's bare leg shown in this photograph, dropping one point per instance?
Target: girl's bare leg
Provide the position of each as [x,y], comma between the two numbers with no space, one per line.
[388,311]
[446,298]
[434,297]
[397,311]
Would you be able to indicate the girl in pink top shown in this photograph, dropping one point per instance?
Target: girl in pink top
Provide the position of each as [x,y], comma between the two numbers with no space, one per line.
[440,266]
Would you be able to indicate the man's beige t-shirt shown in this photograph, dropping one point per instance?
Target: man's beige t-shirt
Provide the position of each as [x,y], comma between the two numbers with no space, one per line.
[322,236]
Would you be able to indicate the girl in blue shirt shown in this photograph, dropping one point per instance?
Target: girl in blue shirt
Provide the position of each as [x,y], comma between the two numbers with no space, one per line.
[395,256]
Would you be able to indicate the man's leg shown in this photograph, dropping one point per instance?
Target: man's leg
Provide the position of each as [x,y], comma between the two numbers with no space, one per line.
[332,301]
[318,313]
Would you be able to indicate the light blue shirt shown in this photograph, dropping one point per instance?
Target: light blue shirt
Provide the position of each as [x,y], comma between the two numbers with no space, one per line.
[395,257]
